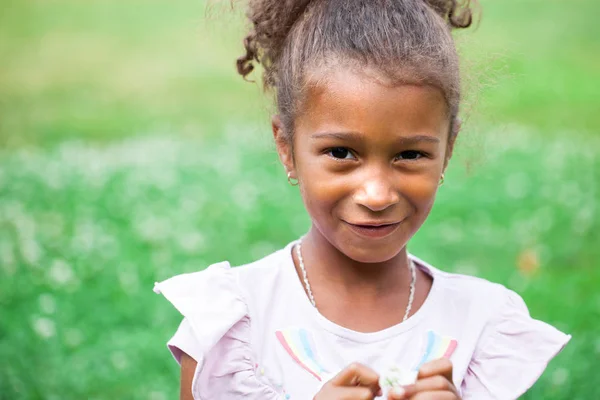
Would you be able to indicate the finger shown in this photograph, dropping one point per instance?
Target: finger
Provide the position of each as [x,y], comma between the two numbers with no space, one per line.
[436,383]
[442,366]
[435,395]
[352,393]
[358,375]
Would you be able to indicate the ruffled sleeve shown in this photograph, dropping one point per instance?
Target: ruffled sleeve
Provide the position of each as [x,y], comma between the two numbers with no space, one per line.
[512,352]
[215,332]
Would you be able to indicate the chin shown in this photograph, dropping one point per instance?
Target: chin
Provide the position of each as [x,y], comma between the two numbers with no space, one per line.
[372,252]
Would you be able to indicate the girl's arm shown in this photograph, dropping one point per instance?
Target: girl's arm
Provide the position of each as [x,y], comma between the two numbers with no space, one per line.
[188,367]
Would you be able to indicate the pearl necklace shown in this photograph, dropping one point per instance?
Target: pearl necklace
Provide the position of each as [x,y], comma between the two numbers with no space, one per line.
[411,295]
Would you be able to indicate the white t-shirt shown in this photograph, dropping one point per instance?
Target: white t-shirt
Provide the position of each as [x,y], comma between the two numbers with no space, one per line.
[255,334]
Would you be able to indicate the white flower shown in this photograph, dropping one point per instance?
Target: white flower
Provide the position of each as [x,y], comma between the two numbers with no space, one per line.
[44,327]
[61,272]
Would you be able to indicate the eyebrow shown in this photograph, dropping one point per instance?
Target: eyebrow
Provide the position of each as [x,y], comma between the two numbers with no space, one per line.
[355,136]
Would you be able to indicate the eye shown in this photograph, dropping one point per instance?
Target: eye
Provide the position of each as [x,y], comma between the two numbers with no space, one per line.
[340,153]
[409,155]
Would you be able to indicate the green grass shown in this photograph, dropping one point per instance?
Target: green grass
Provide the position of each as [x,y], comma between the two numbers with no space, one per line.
[106,69]
[132,152]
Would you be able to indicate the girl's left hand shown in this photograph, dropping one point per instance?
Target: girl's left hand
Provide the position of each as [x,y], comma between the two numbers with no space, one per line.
[434,382]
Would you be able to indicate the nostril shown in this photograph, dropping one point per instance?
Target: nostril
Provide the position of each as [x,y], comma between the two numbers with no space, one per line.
[377,197]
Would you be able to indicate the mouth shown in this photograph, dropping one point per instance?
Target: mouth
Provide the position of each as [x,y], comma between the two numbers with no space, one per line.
[374,229]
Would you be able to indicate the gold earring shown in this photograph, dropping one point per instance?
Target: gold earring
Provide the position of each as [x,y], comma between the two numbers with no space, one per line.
[292,181]
[441,180]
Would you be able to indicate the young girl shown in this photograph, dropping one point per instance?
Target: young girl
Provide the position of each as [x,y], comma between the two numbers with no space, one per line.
[367,95]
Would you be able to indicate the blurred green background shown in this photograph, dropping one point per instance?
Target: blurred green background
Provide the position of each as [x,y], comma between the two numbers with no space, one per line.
[131,151]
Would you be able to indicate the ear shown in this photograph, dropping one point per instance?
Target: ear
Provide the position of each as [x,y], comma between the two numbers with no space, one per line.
[284,146]
[456,126]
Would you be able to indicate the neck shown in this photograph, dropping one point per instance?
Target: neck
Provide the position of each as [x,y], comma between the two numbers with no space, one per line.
[326,264]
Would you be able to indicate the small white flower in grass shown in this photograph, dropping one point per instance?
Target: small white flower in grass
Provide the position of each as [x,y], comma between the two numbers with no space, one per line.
[52,176]
[11,208]
[245,194]
[466,268]
[24,223]
[560,376]
[52,224]
[544,219]
[152,228]
[119,360]
[7,257]
[450,231]
[162,258]
[31,251]
[108,245]
[225,161]
[128,279]
[47,303]
[548,192]
[556,158]
[523,231]
[484,232]
[242,135]
[518,282]
[517,185]
[544,253]
[570,195]
[61,272]
[261,249]
[583,220]
[155,395]
[191,205]
[44,327]
[191,242]
[83,238]
[480,218]
[73,337]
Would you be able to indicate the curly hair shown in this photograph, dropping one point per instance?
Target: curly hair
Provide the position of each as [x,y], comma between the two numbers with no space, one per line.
[407,41]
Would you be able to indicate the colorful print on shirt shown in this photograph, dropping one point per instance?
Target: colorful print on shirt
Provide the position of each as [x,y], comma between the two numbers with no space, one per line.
[300,345]
[437,347]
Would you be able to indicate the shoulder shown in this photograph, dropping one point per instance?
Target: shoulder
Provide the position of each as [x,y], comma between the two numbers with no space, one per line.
[217,330]
[469,290]
[496,325]
[224,284]
[475,302]
[263,281]
[199,295]
[265,269]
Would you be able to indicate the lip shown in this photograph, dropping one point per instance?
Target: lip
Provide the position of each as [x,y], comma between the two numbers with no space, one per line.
[374,230]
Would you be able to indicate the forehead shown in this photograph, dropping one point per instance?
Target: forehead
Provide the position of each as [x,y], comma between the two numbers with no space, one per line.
[364,102]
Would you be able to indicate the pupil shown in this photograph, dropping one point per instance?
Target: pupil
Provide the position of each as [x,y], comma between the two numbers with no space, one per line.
[410,154]
[339,152]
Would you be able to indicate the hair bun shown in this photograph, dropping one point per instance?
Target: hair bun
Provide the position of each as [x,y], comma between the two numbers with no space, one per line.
[272,21]
[458,14]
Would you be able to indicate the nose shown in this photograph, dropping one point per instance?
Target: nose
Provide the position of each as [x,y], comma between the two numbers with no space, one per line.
[377,192]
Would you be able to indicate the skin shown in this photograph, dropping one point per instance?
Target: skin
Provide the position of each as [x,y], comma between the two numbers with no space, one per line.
[359,382]
[365,152]
[188,367]
[395,145]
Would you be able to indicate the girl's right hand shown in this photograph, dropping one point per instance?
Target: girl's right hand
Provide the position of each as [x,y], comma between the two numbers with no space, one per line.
[355,382]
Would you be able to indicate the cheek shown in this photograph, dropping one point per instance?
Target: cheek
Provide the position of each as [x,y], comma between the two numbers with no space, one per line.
[320,192]
[420,191]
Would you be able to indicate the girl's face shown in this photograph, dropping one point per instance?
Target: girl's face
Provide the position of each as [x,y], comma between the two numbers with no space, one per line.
[369,158]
